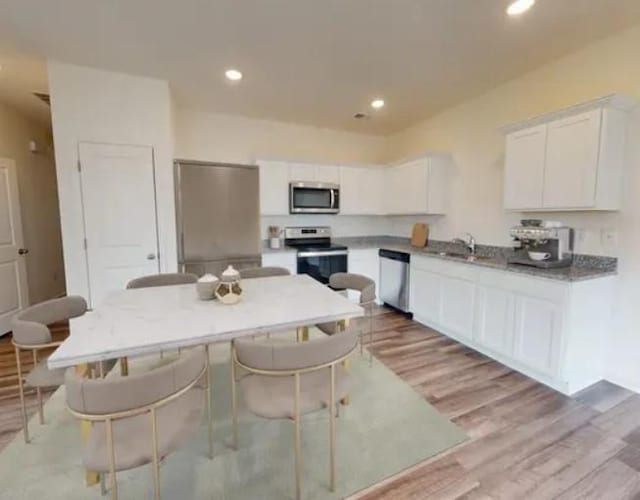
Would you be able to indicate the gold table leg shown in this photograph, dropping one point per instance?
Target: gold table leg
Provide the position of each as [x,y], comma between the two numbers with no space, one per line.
[91,477]
[342,326]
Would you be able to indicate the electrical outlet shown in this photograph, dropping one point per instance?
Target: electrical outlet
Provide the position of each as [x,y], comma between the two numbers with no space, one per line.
[608,238]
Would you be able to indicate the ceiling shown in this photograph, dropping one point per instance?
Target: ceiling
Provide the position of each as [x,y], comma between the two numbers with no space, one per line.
[314,62]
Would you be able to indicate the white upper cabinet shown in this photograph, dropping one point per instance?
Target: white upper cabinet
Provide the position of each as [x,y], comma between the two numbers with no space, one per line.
[328,173]
[416,186]
[568,160]
[361,190]
[524,165]
[274,187]
[302,172]
[571,166]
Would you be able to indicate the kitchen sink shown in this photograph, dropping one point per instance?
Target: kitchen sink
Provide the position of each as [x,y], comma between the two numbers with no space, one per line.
[462,256]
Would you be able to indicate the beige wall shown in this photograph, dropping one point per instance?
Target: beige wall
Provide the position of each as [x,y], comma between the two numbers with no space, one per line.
[235,139]
[470,131]
[38,202]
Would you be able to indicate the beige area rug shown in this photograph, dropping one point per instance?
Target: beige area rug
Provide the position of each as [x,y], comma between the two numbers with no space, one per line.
[387,428]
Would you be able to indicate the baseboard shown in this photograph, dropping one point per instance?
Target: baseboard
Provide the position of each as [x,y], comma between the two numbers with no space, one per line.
[627,383]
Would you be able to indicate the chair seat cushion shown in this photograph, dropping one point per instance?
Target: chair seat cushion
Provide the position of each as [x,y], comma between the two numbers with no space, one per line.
[330,328]
[132,436]
[42,376]
[273,397]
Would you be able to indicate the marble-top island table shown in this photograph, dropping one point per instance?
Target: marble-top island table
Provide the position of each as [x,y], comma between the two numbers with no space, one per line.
[136,322]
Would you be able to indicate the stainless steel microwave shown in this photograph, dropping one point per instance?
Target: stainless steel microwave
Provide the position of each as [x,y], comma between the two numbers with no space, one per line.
[314,198]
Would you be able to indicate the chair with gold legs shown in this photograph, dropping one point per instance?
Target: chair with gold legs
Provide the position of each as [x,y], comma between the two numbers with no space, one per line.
[366,287]
[166,279]
[141,418]
[286,381]
[31,333]
[263,272]
[151,281]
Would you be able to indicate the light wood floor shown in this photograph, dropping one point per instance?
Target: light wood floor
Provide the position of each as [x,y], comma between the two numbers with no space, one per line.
[527,441]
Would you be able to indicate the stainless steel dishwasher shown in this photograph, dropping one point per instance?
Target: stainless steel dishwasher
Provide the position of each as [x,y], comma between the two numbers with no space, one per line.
[394,279]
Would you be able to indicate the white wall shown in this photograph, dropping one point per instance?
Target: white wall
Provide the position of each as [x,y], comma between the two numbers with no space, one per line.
[102,106]
[470,131]
[235,139]
[36,175]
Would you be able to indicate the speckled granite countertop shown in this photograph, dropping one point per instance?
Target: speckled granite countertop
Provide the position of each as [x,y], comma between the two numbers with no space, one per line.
[584,267]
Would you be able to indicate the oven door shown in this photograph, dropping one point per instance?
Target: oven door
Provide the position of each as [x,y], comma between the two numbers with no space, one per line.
[314,197]
[321,265]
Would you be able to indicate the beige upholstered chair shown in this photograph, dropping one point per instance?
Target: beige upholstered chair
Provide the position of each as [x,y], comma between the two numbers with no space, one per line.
[31,333]
[162,280]
[263,272]
[141,418]
[288,380]
[367,289]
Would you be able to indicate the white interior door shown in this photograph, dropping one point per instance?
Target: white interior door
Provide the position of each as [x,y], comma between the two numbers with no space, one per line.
[14,294]
[118,196]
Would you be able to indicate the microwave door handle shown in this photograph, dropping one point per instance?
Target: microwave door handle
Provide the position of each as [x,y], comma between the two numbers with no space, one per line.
[333,198]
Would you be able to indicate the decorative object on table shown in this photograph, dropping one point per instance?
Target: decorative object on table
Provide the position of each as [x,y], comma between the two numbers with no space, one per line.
[274,236]
[229,291]
[206,287]
[420,235]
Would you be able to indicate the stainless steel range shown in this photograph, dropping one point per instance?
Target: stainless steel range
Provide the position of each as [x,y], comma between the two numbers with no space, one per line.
[317,256]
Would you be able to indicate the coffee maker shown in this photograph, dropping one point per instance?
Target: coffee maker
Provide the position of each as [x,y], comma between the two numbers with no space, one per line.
[549,242]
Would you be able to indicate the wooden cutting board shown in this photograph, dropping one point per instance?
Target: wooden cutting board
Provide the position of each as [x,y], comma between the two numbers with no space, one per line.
[419,235]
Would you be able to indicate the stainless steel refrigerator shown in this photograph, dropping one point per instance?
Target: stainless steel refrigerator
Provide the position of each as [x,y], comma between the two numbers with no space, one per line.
[218,219]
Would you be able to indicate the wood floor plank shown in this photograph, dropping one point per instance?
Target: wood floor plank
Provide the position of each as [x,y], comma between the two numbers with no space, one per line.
[612,481]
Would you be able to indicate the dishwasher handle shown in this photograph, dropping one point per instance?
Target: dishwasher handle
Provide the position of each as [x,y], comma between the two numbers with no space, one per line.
[394,255]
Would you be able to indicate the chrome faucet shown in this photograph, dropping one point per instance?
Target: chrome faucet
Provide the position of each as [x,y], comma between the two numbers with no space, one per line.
[469,242]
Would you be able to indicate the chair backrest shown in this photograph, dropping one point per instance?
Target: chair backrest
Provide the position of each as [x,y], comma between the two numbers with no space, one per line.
[117,394]
[357,282]
[30,325]
[296,356]
[162,280]
[263,272]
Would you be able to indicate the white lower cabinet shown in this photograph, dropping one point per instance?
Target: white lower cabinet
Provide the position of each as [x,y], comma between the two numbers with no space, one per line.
[365,262]
[494,319]
[537,333]
[456,309]
[288,260]
[552,331]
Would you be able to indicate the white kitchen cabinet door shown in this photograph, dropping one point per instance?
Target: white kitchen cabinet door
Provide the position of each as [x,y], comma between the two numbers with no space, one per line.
[457,305]
[538,330]
[524,168]
[302,172]
[350,187]
[367,263]
[425,295]
[571,170]
[407,185]
[328,173]
[494,319]
[288,260]
[274,188]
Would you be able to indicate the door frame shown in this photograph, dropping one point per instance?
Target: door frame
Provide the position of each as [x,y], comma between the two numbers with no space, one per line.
[82,205]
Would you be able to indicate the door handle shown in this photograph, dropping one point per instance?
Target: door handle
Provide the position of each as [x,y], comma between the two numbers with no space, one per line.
[23,251]
[151,256]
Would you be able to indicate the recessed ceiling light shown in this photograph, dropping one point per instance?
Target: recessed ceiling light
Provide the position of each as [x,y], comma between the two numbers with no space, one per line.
[519,7]
[233,74]
[377,103]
